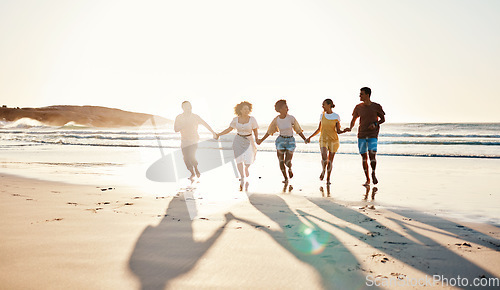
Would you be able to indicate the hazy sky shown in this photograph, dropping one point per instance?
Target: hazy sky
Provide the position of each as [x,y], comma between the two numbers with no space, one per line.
[426,60]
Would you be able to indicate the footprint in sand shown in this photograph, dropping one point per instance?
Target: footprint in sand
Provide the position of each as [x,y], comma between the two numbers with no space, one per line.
[380,257]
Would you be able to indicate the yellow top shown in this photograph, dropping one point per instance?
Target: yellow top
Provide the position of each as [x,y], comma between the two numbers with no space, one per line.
[328,130]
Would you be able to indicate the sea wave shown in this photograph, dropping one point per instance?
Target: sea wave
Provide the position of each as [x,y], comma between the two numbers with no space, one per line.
[440,142]
[400,140]
[227,145]
[108,139]
[409,135]
[24,123]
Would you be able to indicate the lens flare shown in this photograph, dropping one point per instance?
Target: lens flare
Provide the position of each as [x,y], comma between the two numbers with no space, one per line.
[308,240]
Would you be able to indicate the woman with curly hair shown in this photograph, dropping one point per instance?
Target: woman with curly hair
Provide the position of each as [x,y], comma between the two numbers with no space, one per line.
[285,143]
[244,143]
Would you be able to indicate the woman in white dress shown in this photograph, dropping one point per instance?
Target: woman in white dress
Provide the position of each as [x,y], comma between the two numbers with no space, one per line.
[244,143]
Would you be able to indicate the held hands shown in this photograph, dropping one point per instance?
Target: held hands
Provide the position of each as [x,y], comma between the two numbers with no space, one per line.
[216,136]
[258,141]
[308,140]
[346,130]
[229,216]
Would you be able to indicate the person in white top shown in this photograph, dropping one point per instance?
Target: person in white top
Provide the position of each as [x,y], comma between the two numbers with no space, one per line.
[187,124]
[285,143]
[244,146]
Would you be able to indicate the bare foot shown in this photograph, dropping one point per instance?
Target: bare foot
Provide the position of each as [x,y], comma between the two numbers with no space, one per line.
[192,177]
[375,180]
[328,182]
[246,172]
[197,172]
[290,173]
[285,181]
[322,175]
[374,191]
[367,183]
[241,184]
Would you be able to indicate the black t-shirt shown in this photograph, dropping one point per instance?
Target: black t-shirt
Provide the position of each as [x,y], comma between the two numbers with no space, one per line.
[368,114]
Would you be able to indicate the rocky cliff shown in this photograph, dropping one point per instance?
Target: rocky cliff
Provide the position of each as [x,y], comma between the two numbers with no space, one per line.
[91,116]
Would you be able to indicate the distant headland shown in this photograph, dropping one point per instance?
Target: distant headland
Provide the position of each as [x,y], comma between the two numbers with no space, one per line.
[91,116]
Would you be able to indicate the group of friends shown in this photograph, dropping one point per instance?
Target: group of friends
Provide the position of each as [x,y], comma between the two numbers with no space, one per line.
[370,114]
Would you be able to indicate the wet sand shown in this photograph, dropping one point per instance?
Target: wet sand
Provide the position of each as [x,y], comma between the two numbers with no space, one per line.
[210,235]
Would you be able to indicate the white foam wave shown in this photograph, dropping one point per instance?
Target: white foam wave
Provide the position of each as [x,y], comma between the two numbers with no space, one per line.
[22,124]
[72,124]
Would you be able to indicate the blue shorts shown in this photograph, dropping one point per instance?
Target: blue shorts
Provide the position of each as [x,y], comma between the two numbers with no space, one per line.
[367,144]
[283,143]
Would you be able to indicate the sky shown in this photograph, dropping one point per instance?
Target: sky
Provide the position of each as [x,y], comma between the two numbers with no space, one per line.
[425,61]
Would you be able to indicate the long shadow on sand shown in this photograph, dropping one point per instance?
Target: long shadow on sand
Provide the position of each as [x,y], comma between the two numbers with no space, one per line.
[309,243]
[422,253]
[453,229]
[168,250]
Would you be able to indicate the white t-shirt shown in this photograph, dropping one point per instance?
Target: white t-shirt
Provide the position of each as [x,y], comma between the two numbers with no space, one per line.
[244,129]
[286,125]
[189,124]
[332,116]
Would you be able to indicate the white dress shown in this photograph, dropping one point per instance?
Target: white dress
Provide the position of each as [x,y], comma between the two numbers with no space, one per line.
[244,146]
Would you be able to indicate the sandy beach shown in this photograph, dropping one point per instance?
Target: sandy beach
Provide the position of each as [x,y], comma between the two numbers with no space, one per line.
[108,107]
[210,235]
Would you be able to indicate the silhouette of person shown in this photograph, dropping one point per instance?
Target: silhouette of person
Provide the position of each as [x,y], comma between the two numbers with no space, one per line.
[329,126]
[370,115]
[169,250]
[308,241]
[187,124]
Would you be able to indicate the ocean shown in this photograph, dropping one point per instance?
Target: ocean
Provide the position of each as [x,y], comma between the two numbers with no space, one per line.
[412,139]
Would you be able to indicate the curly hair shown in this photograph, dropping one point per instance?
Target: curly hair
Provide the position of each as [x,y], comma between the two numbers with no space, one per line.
[237,108]
[279,104]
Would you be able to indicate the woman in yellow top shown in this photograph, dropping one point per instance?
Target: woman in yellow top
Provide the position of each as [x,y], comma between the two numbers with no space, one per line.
[329,126]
